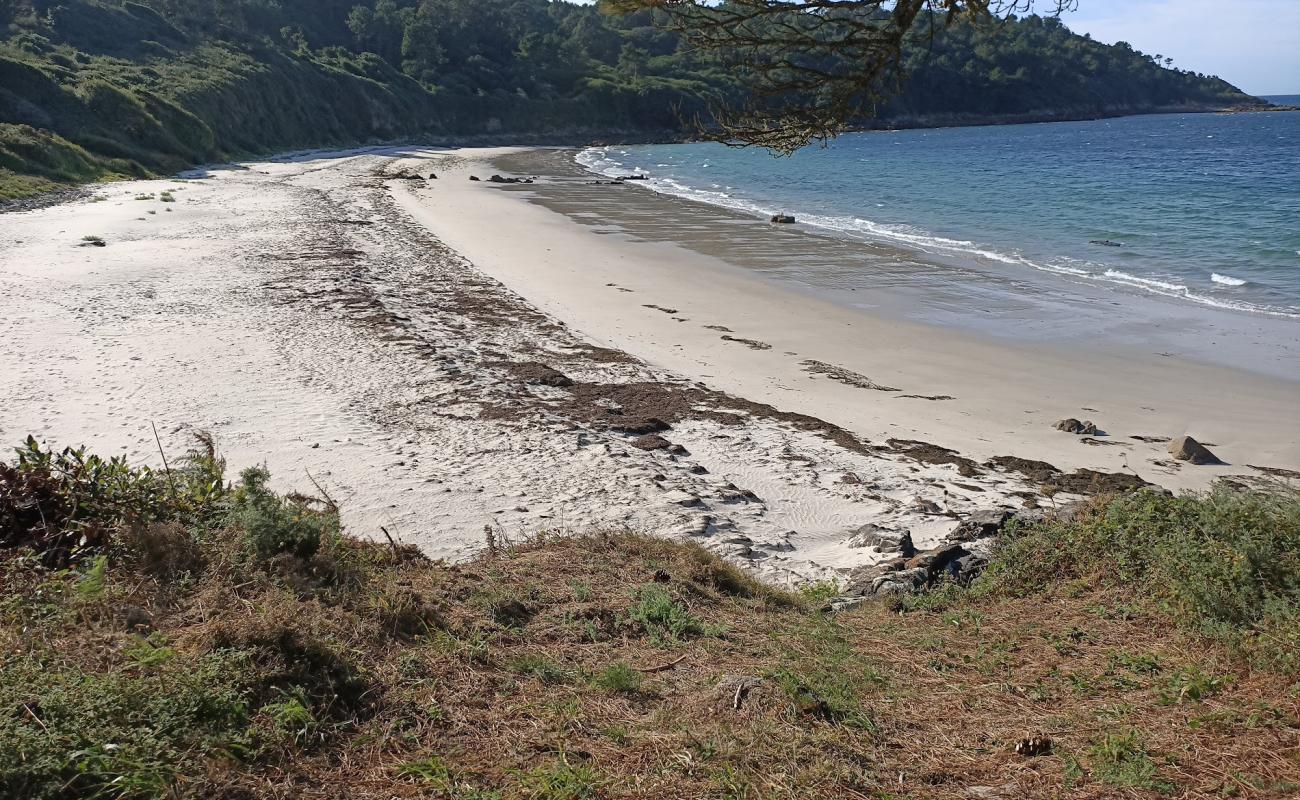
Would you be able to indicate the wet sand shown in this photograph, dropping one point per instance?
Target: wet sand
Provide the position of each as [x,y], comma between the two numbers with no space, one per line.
[604,257]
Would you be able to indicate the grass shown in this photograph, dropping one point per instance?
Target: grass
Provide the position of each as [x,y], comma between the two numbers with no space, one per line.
[1121,760]
[193,637]
[619,678]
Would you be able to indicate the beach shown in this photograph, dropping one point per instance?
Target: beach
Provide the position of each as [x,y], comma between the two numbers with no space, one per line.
[449,359]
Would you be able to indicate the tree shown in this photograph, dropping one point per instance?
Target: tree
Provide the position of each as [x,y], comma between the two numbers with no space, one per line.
[812,68]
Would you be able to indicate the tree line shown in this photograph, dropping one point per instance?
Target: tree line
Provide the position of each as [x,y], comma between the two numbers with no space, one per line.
[129,86]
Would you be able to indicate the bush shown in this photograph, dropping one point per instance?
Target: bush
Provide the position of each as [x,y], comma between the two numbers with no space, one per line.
[1225,563]
[275,525]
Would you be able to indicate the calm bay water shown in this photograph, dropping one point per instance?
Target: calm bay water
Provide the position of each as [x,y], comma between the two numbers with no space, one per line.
[1204,207]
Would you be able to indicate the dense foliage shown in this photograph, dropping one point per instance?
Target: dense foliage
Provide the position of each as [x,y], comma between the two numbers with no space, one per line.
[91,88]
[1225,563]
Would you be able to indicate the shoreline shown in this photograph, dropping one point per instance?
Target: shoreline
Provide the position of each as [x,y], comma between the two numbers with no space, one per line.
[671,275]
[989,298]
[447,356]
[573,140]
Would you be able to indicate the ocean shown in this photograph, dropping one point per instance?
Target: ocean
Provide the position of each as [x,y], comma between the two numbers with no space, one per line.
[1204,208]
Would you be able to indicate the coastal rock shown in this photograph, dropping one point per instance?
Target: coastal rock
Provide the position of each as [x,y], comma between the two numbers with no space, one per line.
[906,581]
[1185,448]
[886,540]
[783,219]
[1072,425]
[937,559]
[473,177]
[433,176]
[981,525]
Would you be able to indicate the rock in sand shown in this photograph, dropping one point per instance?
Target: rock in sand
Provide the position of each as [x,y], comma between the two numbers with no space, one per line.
[1185,448]
[1072,425]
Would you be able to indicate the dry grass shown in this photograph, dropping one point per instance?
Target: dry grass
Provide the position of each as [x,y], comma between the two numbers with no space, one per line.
[385,675]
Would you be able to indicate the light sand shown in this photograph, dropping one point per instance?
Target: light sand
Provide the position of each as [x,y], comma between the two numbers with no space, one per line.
[302,311]
[1006,395]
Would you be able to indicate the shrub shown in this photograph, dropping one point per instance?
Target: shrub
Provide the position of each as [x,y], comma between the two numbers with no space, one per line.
[275,525]
[62,505]
[1225,563]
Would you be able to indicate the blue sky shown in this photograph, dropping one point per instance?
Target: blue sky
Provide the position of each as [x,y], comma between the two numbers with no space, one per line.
[1254,44]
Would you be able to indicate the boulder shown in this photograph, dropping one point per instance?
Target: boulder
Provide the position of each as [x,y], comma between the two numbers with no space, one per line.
[981,525]
[886,540]
[967,568]
[1072,425]
[936,561]
[473,177]
[1185,448]
[906,581]
[783,219]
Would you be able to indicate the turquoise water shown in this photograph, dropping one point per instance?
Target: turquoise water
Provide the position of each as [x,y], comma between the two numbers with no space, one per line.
[1204,207]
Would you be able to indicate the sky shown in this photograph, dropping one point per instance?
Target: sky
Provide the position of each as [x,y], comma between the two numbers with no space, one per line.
[1254,44]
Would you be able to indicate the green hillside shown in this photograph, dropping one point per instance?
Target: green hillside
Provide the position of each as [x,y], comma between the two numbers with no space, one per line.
[91,89]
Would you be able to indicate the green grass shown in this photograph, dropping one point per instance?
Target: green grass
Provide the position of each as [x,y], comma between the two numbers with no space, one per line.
[619,678]
[1121,760]
[539,667]
[116,734]
[560,780]
[665,618]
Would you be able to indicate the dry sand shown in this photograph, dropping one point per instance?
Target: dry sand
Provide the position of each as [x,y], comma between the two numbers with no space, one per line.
[386,338]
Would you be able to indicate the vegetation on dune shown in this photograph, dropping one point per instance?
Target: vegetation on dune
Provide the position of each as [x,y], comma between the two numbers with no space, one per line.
[166,633]
[94,89]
